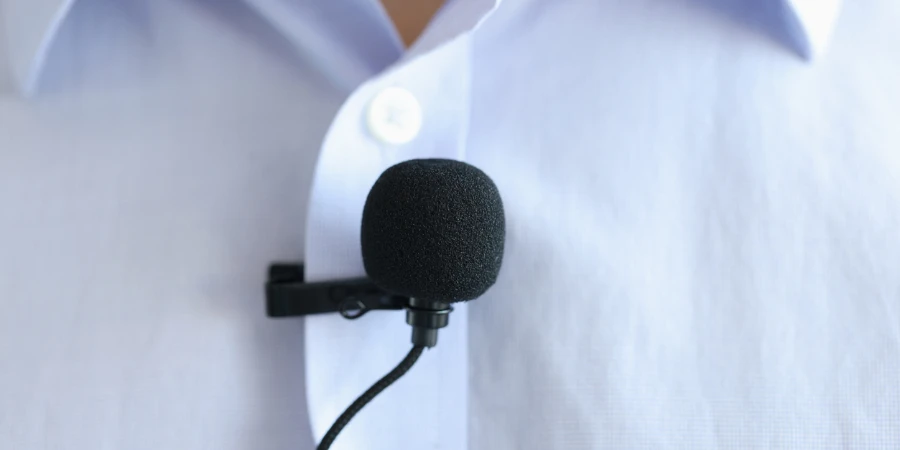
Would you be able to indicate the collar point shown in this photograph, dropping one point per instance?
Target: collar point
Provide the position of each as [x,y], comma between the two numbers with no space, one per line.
[813,25]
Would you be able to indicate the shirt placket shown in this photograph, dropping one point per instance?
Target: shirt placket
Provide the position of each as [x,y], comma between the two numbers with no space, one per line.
[417,109]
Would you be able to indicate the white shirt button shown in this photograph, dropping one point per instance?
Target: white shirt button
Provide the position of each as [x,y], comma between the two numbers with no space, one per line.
[394,116]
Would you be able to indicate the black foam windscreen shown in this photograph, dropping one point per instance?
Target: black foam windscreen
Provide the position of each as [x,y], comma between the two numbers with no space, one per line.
[433,229]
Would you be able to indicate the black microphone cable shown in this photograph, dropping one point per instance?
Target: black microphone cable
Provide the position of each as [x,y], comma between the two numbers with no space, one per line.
[370,394]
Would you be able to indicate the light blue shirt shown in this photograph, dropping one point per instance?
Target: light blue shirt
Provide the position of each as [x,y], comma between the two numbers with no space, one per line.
[703,205]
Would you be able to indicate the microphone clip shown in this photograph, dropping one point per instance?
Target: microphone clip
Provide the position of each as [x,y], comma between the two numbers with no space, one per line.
[287,295]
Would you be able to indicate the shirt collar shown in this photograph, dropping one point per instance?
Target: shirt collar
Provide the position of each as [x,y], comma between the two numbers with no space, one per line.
[31,26]
[812,24]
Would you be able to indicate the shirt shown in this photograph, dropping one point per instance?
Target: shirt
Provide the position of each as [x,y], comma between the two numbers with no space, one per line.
[701,201]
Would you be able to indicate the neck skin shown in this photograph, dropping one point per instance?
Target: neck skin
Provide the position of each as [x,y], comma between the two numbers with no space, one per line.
[410,17]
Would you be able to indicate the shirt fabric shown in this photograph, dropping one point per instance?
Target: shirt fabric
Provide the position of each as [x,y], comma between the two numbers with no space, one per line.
[701,199]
